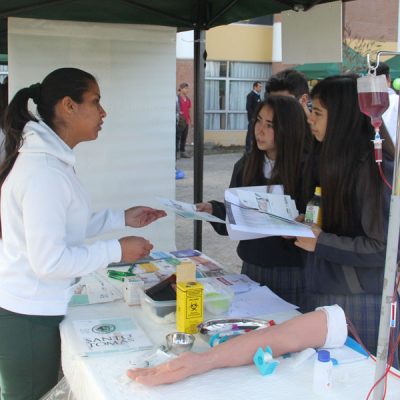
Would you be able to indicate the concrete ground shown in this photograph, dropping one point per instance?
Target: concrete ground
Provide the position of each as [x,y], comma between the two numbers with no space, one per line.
[217,174]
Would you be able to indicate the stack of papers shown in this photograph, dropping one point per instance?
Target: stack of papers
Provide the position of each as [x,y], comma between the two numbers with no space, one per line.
[253,214]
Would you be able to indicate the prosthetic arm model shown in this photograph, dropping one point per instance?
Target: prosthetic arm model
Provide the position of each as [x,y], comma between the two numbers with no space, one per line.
[324,327]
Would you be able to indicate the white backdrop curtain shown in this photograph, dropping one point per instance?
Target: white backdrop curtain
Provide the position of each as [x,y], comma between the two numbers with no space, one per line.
[133,160]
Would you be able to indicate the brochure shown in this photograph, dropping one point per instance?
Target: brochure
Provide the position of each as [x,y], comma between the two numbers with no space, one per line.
[94,288]
[97,336]
[188,210]
[252,215]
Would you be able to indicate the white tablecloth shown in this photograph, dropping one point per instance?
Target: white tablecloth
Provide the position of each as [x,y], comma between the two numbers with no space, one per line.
[98,377]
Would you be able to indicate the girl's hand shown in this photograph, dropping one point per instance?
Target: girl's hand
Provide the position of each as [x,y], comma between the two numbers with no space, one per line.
[134,247]
[307,243]
[140,216]
[204,207]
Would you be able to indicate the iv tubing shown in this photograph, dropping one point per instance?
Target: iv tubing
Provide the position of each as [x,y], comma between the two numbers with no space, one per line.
[383,176]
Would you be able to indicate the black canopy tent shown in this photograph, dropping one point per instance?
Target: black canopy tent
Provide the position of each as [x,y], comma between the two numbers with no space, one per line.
[197,15]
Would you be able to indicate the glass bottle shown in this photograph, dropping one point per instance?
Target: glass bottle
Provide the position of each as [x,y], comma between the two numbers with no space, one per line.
[313,210]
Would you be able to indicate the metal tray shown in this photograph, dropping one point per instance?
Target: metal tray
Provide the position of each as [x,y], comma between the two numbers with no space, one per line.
[209,328]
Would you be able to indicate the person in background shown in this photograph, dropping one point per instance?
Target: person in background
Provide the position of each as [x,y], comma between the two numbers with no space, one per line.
[276,156]
[184,121]
[346,258]
[326,327]
[45,219]
[177,126]
[390,115]
[252,100]
[289,83]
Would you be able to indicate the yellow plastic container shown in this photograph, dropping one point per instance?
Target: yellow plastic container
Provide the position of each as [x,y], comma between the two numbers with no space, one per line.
[189,306]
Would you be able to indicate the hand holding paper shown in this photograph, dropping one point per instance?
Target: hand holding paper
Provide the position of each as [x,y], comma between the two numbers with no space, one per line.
[188,210]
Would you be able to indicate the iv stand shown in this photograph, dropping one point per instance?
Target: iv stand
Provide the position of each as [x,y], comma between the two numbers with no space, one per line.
[391,258]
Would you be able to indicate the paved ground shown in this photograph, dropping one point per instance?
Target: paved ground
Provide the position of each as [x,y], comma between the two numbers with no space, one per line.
[217,174]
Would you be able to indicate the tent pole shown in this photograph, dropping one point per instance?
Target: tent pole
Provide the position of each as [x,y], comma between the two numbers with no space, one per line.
[389,279]
[198,156]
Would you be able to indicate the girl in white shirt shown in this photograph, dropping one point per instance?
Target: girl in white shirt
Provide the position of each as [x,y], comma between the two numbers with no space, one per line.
[45,219]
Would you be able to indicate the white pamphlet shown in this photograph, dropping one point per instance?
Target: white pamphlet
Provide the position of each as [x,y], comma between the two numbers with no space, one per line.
[188,210]
[97,336]
[258,301]
[94,288]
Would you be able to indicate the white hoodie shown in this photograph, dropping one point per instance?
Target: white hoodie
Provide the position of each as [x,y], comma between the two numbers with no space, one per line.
[45,218]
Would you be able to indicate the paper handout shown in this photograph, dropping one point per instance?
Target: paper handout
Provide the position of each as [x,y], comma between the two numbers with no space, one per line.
[258,301]
[109,335]
[94,288]
[188,210]
[252,215]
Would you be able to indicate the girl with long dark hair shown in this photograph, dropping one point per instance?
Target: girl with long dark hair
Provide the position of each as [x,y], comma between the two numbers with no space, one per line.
[346,258]
[278,133]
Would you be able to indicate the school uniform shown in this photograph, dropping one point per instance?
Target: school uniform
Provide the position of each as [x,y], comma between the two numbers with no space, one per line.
[272,261]
[348,270]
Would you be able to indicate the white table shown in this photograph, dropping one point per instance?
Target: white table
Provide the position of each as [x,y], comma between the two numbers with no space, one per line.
[97,378]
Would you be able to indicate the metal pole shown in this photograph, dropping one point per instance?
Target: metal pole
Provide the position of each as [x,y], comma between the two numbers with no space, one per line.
[198,156]
[390,264]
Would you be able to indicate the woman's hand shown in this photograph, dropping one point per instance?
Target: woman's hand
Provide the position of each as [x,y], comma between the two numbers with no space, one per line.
[204,207]
[134,247]
[140,216]
[307,243]
[185,365]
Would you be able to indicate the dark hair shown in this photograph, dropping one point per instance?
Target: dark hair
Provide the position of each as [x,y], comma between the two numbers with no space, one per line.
[183,85]
[291,80]
[290,129]
[256,83]
[346,145]
[58,84]
[383,69]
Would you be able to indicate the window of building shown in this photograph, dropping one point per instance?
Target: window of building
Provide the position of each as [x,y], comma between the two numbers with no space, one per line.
[227,84]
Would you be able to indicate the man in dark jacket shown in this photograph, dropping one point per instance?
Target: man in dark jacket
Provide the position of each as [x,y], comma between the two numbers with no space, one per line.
[253,98]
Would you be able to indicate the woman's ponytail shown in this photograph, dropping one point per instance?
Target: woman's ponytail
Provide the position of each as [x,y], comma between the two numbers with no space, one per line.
[15,117]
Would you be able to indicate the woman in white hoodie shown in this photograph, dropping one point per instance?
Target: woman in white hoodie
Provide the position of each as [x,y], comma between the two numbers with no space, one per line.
[45,219]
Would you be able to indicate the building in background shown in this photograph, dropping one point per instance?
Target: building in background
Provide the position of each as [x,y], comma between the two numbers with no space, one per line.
[241,53]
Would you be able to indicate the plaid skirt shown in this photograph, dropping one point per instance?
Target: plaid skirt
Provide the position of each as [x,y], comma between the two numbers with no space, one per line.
[286,282]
